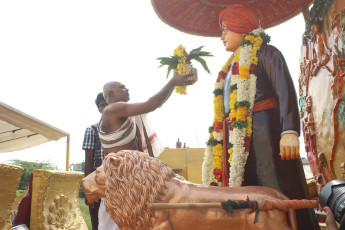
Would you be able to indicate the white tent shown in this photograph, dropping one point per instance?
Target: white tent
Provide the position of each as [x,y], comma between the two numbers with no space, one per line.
[20,131]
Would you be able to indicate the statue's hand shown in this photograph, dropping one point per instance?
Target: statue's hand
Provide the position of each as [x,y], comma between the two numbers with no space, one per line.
[289,146]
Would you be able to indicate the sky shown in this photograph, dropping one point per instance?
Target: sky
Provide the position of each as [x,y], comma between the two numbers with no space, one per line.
[55,57]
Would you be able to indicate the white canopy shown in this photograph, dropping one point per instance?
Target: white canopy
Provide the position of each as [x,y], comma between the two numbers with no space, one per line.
[20,131]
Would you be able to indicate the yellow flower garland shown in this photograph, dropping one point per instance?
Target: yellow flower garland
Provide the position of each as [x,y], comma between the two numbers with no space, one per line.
[243,90]
[181,68]
[239,113]
[219,116]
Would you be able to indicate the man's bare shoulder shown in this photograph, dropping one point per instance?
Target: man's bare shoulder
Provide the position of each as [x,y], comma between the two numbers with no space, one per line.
[114,108]
[112,118]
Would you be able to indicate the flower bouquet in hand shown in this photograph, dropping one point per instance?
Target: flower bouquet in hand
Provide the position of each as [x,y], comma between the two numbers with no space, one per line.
[180,62]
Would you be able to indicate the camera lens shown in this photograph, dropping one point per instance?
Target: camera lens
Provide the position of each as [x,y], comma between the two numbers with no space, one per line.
[333,196]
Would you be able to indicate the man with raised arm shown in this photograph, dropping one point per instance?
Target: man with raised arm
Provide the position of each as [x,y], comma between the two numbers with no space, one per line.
[124,126]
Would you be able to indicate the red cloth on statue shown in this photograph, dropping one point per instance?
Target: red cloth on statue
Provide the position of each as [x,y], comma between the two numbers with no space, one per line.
[239,18]
[24,208]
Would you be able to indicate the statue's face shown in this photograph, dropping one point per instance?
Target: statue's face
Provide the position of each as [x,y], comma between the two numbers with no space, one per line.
[94,185]
[314,29]
[231,40]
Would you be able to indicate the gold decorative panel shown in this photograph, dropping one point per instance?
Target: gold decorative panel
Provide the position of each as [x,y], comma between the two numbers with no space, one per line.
[55,202]
[10,177]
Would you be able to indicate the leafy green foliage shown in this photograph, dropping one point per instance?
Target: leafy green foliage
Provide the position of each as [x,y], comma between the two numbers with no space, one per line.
[265,39]
[218,92]
[239,124]
[242,103]
[28,168]
[210,129]
[213,142]
[233,87]
[171,62]
[195,54]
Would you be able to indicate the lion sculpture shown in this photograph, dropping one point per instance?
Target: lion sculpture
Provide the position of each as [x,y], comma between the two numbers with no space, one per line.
[131,180]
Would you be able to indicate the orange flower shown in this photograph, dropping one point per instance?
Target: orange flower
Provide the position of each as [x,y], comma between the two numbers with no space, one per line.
[244,72]
[241,113]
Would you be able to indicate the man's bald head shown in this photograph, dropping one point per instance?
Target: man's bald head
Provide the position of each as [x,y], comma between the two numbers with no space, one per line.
[107,89]
[115,91]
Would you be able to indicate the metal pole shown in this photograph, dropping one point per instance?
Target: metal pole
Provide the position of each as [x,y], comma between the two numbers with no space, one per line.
[263,205]
[184,205]
[67,153]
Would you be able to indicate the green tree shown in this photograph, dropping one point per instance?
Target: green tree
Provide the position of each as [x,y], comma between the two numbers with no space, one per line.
[28,168]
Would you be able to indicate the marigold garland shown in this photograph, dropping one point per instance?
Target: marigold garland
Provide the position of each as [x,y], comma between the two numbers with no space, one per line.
[243,90]
[181,68]
[179,60]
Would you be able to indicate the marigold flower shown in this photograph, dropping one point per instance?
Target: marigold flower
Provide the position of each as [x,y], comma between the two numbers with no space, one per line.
[230,151]
[237,55]
[244,72]
[258,42]
[218,108]
[177,49]
[250,38]
[217,156]
[181,90]
[217,164]
[218,126]
[217,174]
[211,136]
[241,113]
[218,150]
[254,60]
[249,129]
[232,114]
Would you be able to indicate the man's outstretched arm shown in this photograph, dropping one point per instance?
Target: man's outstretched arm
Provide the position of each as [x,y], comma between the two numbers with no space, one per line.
[124,109]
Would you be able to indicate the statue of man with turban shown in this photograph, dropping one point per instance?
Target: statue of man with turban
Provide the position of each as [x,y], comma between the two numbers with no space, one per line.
[260,103]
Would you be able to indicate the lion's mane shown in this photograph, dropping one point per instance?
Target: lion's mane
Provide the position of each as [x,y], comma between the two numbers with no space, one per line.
[134,180]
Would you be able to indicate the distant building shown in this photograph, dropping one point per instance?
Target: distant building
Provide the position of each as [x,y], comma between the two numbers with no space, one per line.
[186,162]
[79,167]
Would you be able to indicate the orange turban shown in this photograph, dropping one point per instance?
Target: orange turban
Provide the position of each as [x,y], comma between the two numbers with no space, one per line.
[239,18]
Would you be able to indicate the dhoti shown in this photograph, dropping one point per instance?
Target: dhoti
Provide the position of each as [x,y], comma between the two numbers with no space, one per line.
[104,220]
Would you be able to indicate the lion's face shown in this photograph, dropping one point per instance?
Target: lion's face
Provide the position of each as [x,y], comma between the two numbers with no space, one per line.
[94,185]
